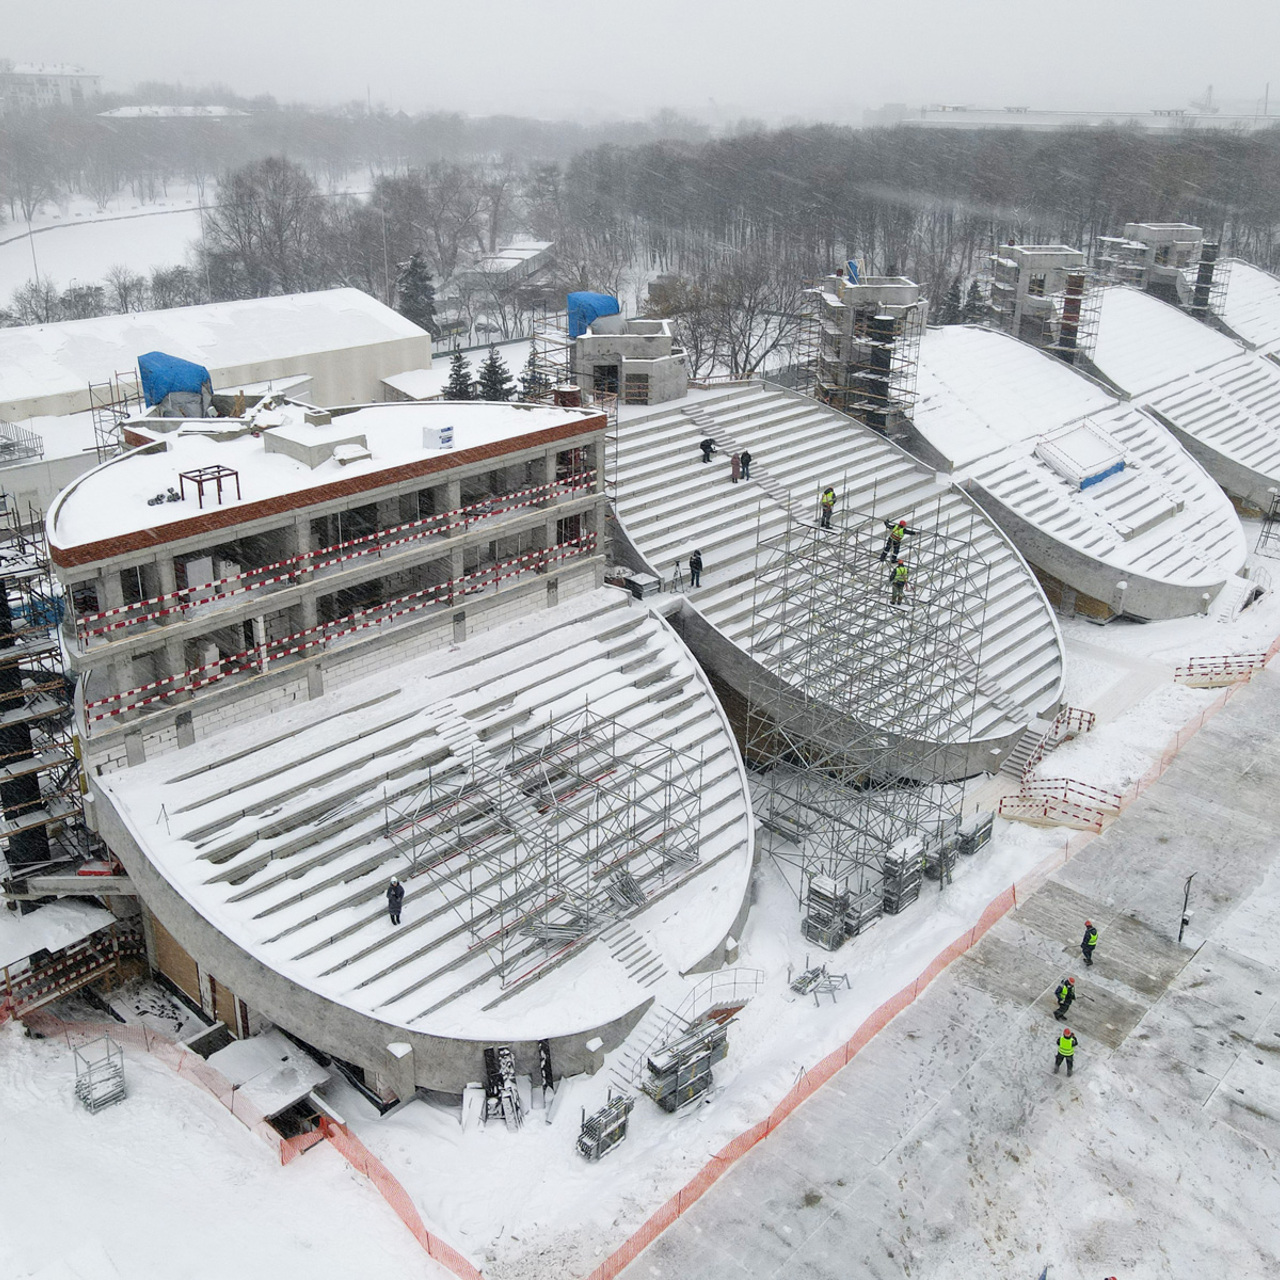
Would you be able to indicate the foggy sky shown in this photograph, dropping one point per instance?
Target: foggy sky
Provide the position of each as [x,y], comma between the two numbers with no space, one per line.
[772,59]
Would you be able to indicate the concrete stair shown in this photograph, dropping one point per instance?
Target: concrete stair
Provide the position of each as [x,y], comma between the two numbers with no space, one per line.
[669,502]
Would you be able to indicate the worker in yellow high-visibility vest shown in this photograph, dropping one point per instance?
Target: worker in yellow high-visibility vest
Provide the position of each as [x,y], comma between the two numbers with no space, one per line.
[1066,1050]
[898,581]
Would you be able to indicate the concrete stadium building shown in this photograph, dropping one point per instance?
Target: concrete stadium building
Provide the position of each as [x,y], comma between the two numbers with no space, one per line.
[375,642]
[1099,497]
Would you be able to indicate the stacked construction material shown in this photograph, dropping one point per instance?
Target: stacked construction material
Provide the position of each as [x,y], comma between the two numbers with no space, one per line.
[502,1097]
[828,904]
[941,848]
[608,1127]
[903,871]
[975,831]
[680,1070]
[99,1073]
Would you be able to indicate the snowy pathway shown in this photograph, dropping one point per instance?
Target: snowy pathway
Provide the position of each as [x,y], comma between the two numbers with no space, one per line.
[948,1148]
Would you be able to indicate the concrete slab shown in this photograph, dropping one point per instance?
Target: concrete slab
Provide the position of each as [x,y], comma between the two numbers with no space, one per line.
[1191,1030]
[1059,912]
[1098,1015]
[1232,983]
[1006,971]
[1248,1099]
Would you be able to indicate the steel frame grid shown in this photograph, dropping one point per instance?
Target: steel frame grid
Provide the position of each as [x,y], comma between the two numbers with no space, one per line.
[564,830]
[857,701]
[39,680]
[1268,543]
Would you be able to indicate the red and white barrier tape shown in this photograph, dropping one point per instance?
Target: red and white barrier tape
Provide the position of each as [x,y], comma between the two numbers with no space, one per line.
[258,657]
[305,562]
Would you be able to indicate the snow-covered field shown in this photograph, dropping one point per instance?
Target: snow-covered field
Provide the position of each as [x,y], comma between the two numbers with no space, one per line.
[524,1204]
[78,242]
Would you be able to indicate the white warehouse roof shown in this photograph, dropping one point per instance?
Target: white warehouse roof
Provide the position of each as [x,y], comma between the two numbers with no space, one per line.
[47,369]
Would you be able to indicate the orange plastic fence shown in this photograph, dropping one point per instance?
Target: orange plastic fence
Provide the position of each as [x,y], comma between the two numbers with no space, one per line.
[813,1079]
[362,1159]
[178,1058]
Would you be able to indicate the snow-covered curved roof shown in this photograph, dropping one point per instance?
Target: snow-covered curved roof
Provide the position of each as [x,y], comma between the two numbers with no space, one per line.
[1002,412]
[978,391]
[1251,308]
[1221,400]
[1143,342]
[279,838]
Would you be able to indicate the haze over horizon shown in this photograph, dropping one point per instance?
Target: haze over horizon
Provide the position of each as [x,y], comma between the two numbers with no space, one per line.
[553,59]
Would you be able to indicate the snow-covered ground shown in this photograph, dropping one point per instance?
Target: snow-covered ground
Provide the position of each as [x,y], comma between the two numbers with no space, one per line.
[142,1189]
[524,1204]
[79,242]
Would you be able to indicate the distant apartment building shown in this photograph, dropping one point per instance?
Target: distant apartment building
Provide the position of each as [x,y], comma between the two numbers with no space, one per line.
[28,86]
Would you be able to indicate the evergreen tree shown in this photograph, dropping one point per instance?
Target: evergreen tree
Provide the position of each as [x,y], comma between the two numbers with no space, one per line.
[952,309]
[459,385]
[496,382]
[415,294]
[975,305]
[533,381]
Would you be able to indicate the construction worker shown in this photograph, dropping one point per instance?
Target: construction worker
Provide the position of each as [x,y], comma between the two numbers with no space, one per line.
[1066,1050]
[708,447]
[395,899]
[695,569]
[898,581]
[746,464]
[1066,993]
[893,539]
[1090,941]
[828,504]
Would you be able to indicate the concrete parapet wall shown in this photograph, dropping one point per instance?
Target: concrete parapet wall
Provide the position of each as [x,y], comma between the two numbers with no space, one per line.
[443,1064]
[1151,599]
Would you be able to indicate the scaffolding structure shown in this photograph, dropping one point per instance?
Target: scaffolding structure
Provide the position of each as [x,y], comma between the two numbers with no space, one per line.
[855,706]
[1269,535]
[1198,284]
[19,444]
[569,827]
[858,347]
[1037,294]
[111,403]
[40,780]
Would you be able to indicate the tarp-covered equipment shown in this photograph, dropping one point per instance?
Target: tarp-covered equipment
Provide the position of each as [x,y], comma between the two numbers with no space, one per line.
[584,307]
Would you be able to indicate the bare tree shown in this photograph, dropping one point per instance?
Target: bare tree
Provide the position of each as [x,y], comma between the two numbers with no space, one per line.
[128,289]
[267,226]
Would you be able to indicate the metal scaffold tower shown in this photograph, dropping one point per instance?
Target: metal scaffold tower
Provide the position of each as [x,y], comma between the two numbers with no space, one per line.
[858,347]
[856,704]
[40,784]
[541,844]
[110,404]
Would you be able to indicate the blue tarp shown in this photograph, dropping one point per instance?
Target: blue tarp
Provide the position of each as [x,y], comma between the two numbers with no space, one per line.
[162,374]
[585,307]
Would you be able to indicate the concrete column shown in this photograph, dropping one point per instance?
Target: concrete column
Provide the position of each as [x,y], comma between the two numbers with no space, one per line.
[110,590]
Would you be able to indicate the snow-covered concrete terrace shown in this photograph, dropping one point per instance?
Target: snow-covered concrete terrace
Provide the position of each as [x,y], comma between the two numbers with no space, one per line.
[280,838]
[1221,401]
[1009,421]
[669,503]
